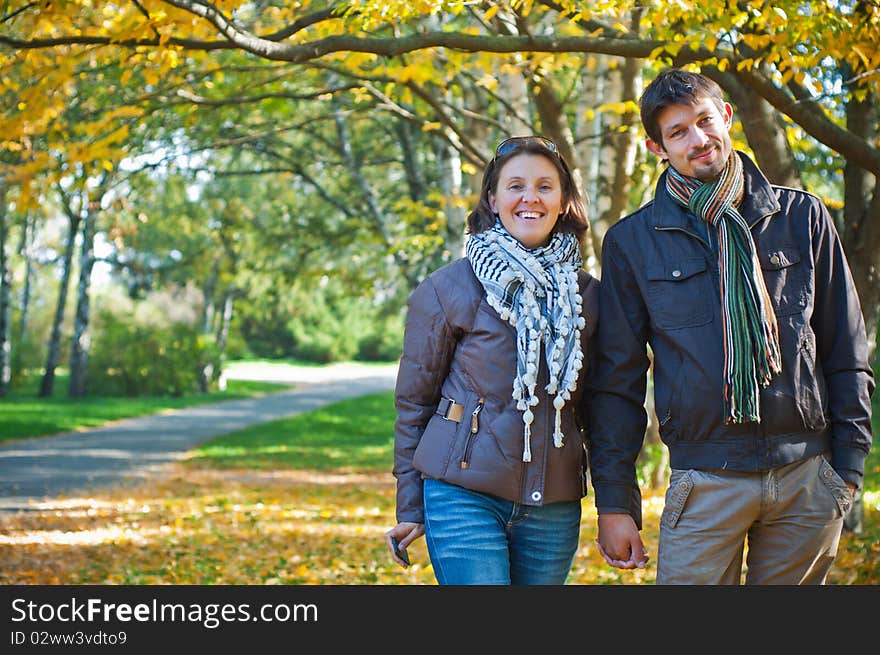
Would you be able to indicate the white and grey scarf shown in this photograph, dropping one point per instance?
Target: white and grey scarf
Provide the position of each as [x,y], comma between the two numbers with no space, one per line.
[536,291]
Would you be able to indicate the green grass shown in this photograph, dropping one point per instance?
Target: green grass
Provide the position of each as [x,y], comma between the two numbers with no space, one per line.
[350,435]
[23,414]
[292,361]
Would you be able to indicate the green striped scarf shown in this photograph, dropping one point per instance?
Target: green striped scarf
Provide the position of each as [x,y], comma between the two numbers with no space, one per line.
[751,337]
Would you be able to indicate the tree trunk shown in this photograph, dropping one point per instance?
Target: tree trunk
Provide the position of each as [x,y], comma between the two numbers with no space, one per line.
[222,336]
[26,252]
[373,211]
[594,86]
[54,351]
[208,293]
[860,231]
[451,184]
[557,127]
[206,372]
[763,128]
[621,145]
[5,297]
[79,353]
[408,142]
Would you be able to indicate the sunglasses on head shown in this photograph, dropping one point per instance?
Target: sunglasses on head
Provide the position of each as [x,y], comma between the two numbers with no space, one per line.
[509,145]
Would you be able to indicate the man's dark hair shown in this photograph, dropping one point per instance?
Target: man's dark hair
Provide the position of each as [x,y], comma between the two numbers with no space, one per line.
[675,87]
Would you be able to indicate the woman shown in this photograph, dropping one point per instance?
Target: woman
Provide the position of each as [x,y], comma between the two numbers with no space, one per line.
[489,447]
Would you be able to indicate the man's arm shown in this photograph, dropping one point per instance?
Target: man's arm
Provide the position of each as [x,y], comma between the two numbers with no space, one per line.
[842,350]
[618,418]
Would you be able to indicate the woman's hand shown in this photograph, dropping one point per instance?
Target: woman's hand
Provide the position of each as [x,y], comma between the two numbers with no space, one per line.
[619,542]
[404,533]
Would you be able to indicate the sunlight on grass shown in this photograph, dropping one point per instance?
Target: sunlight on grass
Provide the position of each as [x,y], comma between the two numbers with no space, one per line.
[357,432]
[23,414]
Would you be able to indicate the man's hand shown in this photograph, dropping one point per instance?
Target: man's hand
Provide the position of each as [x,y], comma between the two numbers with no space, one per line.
[619,542]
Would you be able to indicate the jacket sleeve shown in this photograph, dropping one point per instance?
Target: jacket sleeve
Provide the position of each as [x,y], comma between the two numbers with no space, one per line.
[428,345]
[842,350]
[617,388]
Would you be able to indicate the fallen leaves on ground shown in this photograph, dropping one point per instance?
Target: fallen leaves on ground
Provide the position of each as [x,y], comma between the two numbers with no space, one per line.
[203,526]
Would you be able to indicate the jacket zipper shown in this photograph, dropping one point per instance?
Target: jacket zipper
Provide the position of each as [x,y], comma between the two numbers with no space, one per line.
[668,416]
[475,426]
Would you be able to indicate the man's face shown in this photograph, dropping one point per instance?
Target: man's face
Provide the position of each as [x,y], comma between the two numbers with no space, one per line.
[695,138]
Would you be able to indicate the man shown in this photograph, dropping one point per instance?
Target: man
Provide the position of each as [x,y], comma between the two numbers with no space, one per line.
[761,378]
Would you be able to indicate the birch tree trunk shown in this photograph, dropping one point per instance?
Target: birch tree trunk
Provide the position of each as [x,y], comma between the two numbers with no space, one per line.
[79,352]
[26,252]
[5,297]
[54,350]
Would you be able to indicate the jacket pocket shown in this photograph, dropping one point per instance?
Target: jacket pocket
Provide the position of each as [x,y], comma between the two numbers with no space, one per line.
[679,294]
[810,394]
[441,441]
[786,278]
[681,483]
[794,400]
[667,401]
[472,425]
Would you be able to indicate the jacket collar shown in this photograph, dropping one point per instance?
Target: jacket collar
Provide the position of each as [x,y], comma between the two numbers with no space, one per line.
[758,201]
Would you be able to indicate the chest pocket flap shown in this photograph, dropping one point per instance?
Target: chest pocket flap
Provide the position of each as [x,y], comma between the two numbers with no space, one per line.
[787,278]
[779,258]
[677,271]
[678,293]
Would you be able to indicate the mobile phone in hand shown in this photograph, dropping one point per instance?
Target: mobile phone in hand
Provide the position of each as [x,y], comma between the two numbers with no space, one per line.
[399,552]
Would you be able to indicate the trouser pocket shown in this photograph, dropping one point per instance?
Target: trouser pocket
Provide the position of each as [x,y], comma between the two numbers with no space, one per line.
[681,483]
[835,485]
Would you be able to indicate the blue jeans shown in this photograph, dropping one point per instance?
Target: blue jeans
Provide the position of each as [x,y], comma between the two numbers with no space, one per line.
[480,539]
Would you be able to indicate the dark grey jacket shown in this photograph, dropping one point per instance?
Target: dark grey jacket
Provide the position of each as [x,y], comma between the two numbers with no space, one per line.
[660,286]
[457,347]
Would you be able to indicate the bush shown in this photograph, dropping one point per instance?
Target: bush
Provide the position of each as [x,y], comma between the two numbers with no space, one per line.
[324,328]
[384,343]
[322,343]
[133,359]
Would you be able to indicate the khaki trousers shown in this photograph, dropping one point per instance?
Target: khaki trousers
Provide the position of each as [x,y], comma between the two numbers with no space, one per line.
[788,520]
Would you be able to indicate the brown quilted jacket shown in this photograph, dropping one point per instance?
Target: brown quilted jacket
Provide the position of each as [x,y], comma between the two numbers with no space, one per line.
[457,348]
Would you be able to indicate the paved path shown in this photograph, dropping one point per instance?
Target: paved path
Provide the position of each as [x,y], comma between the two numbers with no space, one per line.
[35,469]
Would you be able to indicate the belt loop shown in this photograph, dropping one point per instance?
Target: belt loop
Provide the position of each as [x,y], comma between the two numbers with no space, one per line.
[449,410]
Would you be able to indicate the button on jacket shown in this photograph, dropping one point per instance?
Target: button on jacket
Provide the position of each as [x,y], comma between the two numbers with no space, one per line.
[660,285]
[457,348]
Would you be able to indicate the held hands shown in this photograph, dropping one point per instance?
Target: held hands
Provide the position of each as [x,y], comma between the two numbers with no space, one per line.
[404,534]
[619,542]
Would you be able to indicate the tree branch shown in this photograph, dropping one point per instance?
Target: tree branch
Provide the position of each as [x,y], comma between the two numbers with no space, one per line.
[813,120]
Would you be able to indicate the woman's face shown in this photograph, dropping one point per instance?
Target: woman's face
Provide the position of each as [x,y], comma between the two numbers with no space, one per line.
[528,198]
